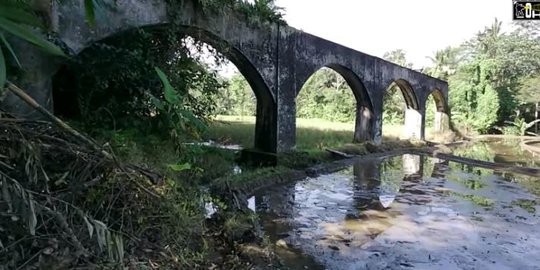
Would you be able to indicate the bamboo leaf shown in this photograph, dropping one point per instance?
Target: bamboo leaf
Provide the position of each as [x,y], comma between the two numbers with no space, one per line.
[19,15]
[6,195]
[26,34]
[2,69]
[119,243]
[101,233]
[10,49]
[90,12]
[89,226]
[32,219]
[179,167]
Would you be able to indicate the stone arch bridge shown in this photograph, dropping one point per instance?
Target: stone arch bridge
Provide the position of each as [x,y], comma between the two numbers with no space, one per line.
[275,59]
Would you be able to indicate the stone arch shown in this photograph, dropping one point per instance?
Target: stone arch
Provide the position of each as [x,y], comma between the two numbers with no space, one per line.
[412,127]
[365,116]
[265,127]
[441,122]
[408,93]
[440,101]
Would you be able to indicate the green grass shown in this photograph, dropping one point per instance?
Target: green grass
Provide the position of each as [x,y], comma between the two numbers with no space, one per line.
[311,134]
[527,205]
[476,199]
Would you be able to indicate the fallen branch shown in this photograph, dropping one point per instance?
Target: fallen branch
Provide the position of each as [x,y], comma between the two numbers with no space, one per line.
[30,101]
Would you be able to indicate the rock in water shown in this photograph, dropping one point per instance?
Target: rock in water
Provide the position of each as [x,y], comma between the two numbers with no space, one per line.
[281,243]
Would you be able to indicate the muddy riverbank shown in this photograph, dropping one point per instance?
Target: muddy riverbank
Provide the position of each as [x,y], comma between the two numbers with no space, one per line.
[400,211]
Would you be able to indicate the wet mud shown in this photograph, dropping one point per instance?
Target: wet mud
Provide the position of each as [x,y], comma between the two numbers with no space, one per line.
[404,212]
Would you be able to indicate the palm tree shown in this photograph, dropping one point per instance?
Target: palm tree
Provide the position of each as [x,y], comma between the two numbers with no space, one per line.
[444,63]
[487,41]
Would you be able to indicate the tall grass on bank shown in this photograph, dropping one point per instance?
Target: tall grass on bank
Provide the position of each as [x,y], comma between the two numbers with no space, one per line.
[311,134]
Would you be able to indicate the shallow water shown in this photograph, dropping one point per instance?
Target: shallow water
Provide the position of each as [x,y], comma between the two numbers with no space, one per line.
[407,212]
[506,151]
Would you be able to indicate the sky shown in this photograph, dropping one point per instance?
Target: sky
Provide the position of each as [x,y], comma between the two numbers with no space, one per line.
[420,27]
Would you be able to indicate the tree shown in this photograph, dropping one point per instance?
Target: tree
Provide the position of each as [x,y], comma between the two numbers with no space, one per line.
[473,99]
[237,98]
[393,100]
[529,91]
[326,95]
[444,63]
[398,57]
[113,84]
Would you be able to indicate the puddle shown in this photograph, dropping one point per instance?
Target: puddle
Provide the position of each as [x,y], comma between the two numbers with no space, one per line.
[211,143]
[407,212]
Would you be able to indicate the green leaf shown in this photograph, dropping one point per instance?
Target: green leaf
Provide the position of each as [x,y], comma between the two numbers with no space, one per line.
[10,49]
[157,102]
[19,15]
[101,233]
[200,125]
[2,69]
[26,33]
[90,12]
[170,92]
[179,167]
[6,197]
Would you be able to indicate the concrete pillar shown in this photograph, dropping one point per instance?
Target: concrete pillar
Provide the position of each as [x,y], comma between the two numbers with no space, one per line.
[441,123]
[266,127]
[413,127]
[363,129]
[286,120]
[35,79]
[377,128]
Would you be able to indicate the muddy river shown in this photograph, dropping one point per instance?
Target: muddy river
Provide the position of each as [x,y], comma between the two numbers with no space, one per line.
[408,212]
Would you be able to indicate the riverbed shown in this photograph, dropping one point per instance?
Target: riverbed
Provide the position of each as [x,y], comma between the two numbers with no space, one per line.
[406,212]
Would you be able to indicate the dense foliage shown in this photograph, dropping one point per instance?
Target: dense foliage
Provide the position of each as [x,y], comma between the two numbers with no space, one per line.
[113,84]
[492,77]
[237,98]
[260,10]
[326,95]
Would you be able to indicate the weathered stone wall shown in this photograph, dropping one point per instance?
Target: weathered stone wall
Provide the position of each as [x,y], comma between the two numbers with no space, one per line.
[275,59]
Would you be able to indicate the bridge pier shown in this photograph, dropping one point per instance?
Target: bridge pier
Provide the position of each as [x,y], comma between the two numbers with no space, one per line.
[363,129]
[286,120]
[414,124]
[441,123]
[36,80]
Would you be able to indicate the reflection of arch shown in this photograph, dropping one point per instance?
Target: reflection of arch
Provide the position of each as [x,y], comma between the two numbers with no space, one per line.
[264,130]
[408,93]
[412,127]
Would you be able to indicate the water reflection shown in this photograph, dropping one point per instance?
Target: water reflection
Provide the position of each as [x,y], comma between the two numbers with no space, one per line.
[341,220]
